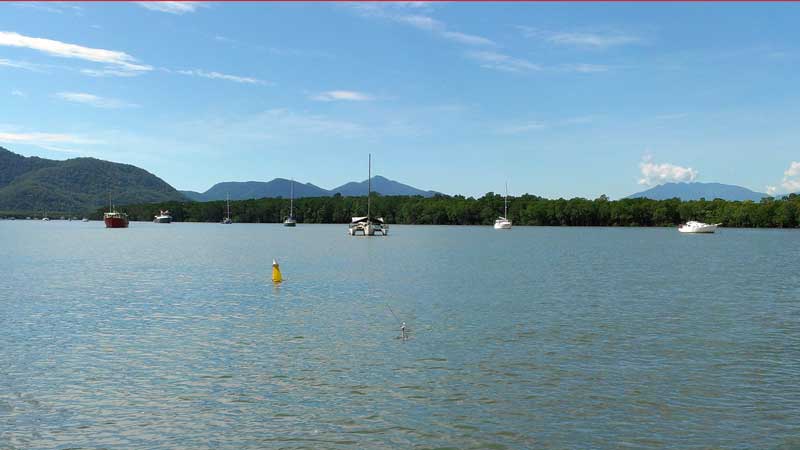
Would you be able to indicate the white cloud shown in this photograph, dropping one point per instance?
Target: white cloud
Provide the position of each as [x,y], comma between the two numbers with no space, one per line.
[790,182]
[19,65]
[351,96]
[117,60]
[18,93]
[51,7]
[172,7]
[598,40]
[654,173]
[583,68]
[94,100]
[502,62]
[44,138]
[222,76]
[467,39]
[396,11]
[537,125]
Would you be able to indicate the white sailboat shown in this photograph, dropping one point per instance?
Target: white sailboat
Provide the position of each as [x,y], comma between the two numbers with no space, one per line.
[290,221]
[227,220]
[368,225]
[502,223]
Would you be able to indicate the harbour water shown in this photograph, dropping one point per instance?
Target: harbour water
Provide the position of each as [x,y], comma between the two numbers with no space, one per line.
[173,336]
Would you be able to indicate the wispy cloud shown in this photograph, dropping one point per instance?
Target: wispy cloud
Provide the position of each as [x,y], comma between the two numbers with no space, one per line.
[116,60]
[51,7]
[172,7]
[583,68]
[654,173]
[351,96]
[502,62]
[398,12]
[538,125]
[94,100]
[223,76]
[20,65]
[43,139]
[597,40]
[790,182]
[18,93]
[467,39]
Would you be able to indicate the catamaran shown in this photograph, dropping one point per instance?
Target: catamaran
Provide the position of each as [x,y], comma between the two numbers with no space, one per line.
[502,223]
[290,221]
[227,220]
[368,225]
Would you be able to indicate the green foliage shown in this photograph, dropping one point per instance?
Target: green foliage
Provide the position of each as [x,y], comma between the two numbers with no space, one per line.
[459,210]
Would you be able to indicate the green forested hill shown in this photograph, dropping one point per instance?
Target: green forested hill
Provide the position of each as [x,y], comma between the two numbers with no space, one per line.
[75,185]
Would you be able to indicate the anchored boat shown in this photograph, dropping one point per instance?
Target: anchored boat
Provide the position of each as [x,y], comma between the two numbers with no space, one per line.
[290,221]
[227,220]
[698,227]
[368,225]
[163,217]
[502,223]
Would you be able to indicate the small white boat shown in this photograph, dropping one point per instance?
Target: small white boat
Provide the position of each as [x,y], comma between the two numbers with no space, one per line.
[84,219]
[698,227]
[290,221]
[502,223]
[163,217]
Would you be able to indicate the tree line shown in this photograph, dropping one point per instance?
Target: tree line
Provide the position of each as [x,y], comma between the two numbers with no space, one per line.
[527,209]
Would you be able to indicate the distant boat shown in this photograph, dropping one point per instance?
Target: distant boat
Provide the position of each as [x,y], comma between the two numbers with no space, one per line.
[368,225]
[502,223]
[227,220]
[84,219]
[44,217]
[163,217]
[290,221]
[698,227]
[113,218]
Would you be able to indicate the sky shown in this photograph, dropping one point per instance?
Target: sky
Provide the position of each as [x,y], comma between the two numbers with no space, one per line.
[557,99]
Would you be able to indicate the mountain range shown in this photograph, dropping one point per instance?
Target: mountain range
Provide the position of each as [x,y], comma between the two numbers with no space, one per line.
[75,185]
[281,187]
[696,191]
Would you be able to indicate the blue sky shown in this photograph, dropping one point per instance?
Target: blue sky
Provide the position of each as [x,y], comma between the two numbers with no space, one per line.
[557,99]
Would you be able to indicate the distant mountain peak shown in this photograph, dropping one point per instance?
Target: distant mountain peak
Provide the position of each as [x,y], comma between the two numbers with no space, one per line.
[697,190]
[281,187]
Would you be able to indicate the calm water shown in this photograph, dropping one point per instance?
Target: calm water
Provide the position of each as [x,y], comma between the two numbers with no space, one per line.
[172,336]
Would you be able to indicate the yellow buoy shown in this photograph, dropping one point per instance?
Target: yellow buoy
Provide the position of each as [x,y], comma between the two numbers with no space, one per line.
[276,272]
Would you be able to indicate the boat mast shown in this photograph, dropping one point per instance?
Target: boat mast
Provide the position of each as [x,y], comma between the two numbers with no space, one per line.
[228,200]
[291,199]
[369,184]
[505,203]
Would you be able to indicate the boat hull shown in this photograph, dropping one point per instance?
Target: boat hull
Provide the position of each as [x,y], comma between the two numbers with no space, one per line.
[502,226]
[290,224]
[701,230]
[163,220]
[116,222]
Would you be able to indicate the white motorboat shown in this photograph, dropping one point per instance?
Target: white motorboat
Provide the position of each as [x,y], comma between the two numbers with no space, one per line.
[698,227]
[502,223]
[163,217]
[290,221]
[368,225]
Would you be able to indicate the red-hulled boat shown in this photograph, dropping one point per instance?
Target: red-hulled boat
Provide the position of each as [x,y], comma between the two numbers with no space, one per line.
[115,219]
